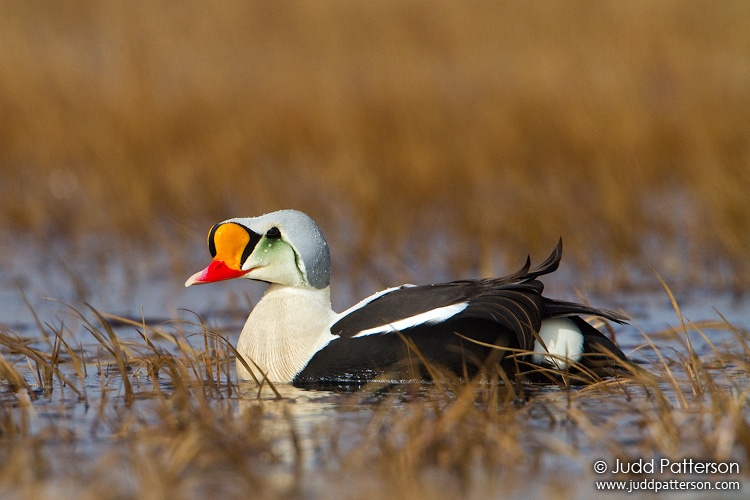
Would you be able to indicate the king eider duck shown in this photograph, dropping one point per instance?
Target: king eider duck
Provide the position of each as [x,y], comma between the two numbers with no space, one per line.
[293,335]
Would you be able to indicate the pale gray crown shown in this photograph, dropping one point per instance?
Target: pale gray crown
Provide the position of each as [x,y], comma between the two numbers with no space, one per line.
[301,232]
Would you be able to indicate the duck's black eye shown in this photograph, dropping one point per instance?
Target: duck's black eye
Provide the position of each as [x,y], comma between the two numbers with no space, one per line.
[273,233]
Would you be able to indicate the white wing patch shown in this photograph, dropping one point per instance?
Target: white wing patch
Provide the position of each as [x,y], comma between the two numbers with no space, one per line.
[564,342]
[430,317]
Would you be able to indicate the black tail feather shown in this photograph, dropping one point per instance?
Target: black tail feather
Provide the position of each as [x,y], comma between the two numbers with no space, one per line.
[549,265]
[526,274]
[553,308]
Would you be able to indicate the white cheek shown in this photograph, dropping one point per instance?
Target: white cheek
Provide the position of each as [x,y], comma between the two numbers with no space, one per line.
[273,264]
[564,342]
[261,257]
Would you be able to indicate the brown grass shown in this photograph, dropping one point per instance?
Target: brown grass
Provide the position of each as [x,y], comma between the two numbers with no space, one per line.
[163,417]
[621,126]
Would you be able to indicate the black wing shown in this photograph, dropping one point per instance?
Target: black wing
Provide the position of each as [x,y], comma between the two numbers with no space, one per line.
[505,312]
[514,302]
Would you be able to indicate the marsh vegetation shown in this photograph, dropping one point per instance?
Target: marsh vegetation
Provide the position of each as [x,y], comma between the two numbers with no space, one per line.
[431,141]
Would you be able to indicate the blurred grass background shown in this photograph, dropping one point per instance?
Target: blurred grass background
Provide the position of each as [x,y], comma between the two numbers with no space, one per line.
[623,127]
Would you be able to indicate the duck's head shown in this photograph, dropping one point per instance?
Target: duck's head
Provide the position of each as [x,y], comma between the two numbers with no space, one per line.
[284,247]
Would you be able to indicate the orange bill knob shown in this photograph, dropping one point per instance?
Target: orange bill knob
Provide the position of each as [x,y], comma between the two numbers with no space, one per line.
[228,244]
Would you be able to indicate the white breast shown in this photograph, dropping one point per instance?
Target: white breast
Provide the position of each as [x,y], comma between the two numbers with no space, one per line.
[284,330]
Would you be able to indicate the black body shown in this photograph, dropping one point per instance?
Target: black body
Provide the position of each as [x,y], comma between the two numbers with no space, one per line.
[501,312]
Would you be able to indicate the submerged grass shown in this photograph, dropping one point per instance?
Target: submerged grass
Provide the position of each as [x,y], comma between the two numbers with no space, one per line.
[620,126]
[163,416]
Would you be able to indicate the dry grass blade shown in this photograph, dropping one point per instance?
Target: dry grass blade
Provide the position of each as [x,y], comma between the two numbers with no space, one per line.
[415,372]
[34,315]
[43,361]
[665,366]
[694,365]
[115,348]
[260,382]
[11,375]
[741,338]
[173,339]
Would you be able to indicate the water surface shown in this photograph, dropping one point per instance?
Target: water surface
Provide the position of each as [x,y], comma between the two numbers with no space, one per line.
[307,441]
